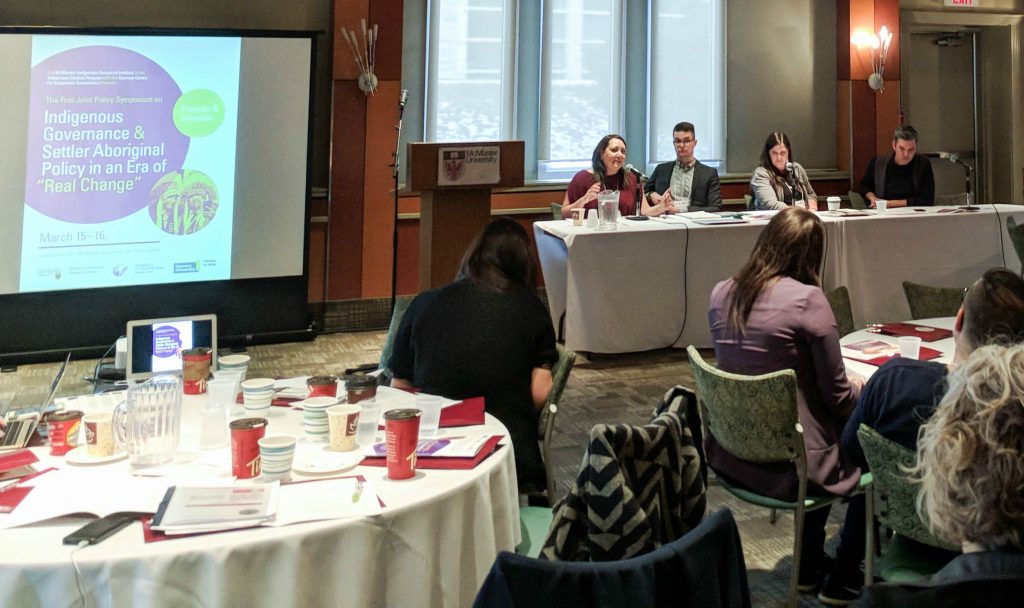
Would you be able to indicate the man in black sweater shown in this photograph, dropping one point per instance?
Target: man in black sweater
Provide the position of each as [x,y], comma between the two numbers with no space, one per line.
[902,178]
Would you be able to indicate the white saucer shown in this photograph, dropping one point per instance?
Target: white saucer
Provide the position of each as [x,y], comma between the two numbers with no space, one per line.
[80,455]
[326,461]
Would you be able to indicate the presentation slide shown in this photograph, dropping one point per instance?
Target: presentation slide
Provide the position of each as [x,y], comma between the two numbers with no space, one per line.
[130,161]
[151,159]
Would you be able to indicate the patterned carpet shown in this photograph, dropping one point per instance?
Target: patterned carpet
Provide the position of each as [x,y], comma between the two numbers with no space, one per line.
[620,388]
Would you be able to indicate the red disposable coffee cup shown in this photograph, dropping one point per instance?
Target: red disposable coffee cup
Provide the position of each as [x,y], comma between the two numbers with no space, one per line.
[401,434]
[322,386]
[360,386]
[196,370]
[62,427]
[245,449]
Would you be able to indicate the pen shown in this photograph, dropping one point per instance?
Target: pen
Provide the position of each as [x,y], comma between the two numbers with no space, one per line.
[358,492]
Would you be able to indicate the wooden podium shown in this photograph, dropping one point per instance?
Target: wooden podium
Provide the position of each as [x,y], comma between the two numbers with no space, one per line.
[455,182]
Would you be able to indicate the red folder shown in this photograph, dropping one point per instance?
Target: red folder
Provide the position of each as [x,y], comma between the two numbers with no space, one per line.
[925,332]
[441,462]
[16,459]
[469,412]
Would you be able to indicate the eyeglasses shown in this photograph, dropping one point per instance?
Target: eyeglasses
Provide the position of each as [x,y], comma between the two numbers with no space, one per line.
[685,142]
[963,296]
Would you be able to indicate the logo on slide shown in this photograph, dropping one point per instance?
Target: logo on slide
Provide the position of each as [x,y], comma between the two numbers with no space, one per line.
[101,131]
[183,202]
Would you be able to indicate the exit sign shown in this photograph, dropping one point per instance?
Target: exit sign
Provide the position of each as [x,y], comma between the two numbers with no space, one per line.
[962,2]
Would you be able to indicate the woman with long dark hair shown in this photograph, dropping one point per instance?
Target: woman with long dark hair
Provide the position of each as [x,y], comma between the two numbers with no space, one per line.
[772,316]
[486,334]
[607,172]
[779,181]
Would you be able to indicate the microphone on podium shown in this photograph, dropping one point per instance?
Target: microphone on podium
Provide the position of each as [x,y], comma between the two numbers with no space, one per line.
[639,174]
[403,98]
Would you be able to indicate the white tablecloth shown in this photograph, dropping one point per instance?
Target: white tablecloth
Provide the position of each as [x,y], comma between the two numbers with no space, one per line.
[432,546]
[946,346]
[647,285]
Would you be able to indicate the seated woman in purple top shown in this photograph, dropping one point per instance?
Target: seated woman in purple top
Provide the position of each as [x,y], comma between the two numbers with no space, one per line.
[772,316]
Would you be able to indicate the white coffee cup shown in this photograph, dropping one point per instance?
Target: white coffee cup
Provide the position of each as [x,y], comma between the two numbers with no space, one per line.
[343,420]
[99,434]
[910,347]
[881,204]
[833,203]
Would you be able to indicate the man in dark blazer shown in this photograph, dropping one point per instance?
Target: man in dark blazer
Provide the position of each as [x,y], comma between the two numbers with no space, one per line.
[684,183]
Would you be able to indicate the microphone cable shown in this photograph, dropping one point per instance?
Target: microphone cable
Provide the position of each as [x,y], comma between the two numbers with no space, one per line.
[686,296]
[78,572]
[96,370]
[999,222]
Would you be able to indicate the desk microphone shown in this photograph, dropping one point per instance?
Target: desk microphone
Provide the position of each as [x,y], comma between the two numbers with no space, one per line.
[639,175]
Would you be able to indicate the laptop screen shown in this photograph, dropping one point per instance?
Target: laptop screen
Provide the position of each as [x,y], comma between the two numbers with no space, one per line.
[155,345]
[20,427]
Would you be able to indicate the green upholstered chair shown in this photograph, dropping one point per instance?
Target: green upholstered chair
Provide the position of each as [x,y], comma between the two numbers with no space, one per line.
[556,211]
[401,305]
[534,521]
[1017,238]
[839,302]
[755,419]
[891,498]
[927,302]
[559,377]
[856,200]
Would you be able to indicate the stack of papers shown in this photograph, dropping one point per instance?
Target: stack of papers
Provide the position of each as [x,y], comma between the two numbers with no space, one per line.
[194,509]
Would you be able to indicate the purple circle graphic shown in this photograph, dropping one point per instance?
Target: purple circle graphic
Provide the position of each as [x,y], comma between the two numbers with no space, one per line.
[166,341]
[101,133]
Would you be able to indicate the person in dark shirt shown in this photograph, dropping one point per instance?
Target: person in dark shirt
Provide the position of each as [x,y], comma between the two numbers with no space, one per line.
[902,394]
[486,334]
[902,178]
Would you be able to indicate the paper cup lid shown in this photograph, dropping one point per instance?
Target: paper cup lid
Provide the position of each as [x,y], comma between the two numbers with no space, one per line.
[402,414]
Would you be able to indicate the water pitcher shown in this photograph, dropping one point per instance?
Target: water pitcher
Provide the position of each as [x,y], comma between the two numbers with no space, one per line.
[147,424]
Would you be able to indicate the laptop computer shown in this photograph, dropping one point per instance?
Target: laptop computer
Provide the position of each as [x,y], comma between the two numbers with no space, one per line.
[21,424]
[155,345]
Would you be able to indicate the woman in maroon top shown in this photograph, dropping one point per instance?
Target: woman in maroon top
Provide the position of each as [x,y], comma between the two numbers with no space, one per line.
[772,316]
[607,173]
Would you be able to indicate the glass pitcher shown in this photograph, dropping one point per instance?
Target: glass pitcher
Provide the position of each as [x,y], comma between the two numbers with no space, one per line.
[147,424]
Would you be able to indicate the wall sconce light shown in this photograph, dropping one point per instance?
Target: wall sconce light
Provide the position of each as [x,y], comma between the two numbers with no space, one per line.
[365,54]
[879,45]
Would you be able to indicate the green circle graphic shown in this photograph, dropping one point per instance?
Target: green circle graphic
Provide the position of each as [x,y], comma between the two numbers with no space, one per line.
[198,112]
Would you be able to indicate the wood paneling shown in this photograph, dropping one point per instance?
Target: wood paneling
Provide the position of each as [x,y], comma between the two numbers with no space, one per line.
[378,196]
[348,145]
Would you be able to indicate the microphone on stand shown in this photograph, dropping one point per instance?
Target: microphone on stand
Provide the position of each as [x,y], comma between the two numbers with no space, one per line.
[641,178]
[791,175]
[639,174]
[403,98]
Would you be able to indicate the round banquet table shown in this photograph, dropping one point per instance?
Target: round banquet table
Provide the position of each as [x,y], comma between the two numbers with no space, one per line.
[432,545]
[945,346]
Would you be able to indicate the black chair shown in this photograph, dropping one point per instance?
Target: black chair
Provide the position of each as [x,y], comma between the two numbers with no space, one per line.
[703,568]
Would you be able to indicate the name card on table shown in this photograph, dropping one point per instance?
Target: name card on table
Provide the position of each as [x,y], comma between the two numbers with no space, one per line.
[468,165]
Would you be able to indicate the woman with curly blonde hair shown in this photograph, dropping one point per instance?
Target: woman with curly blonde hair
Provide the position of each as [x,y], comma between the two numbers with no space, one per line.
[970,466]
[971,454]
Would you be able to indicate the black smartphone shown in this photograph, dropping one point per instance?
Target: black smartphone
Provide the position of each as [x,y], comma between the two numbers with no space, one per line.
[96,531]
